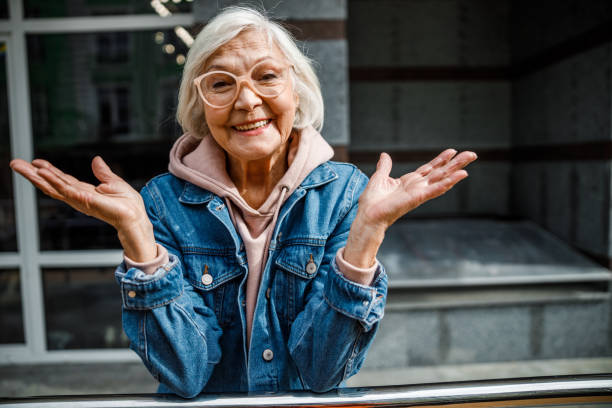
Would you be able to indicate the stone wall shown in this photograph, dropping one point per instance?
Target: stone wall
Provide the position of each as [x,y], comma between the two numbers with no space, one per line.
[561,119]
[427,75]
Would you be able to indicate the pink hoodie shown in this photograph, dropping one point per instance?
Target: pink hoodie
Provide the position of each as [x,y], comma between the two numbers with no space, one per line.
[203,163]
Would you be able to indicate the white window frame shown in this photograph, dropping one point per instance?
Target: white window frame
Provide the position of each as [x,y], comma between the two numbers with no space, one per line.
[29,259]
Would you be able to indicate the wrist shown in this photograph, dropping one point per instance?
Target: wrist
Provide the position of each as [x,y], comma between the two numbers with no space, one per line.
[363,243]
[138,241]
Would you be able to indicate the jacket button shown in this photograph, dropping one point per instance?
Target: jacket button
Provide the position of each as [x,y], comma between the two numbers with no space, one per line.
[131,294]
[243,303]
[268,293]
[268,355]
[311,268]
[207,279]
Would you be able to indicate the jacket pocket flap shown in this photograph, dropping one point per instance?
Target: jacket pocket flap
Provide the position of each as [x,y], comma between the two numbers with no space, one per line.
[207,272]
[302,260]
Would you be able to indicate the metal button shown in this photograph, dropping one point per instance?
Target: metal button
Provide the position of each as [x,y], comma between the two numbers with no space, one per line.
[268,355]
[311,268]
[131,294]
[243,303]
[207,279]
[268,293]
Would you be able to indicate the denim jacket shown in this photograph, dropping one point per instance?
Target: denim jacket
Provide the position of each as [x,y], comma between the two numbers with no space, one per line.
[312,326]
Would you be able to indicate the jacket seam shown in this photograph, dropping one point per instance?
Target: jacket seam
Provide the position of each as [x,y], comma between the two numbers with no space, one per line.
[344,312]
[192,322]
[153,306]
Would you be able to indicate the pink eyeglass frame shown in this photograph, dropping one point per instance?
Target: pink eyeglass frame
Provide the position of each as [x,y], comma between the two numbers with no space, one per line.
[239,80]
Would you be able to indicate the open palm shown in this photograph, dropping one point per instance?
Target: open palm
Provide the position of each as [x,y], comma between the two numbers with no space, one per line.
[113,201]
[385,199]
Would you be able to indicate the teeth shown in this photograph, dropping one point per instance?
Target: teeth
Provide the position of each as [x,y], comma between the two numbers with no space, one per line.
[252,126]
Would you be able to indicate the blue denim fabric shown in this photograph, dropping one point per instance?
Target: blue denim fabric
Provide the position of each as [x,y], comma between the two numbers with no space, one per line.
[191,335]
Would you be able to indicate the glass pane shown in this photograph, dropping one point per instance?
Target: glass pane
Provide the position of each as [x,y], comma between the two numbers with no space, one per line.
[4,13]
[8,238]
[72,8]
[82,309]
[111,94]
[11,317]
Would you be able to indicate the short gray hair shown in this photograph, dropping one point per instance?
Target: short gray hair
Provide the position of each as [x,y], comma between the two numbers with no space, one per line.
[221,29]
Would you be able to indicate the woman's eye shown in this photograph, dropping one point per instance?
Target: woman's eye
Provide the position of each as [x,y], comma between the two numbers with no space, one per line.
[219,84]
[270,76]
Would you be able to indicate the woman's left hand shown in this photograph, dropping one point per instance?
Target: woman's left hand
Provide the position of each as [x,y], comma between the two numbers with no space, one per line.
[385,199]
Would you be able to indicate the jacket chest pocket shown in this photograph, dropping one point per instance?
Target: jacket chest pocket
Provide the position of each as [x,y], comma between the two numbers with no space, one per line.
[297,267]
[215,278]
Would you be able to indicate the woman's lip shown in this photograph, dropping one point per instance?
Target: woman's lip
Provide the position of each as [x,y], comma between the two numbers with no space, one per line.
[254,132]
[251,121]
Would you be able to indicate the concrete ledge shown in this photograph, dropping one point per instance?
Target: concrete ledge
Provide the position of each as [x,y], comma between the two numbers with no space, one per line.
[467,372]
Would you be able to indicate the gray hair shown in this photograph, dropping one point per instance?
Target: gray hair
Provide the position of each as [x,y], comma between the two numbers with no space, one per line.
[221,29]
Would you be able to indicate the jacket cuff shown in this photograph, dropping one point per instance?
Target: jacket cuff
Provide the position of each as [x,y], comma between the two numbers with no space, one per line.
[361,302]
[152,266]
[140,291]
[364,276]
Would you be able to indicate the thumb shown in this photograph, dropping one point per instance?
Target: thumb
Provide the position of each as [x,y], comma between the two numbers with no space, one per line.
[101,170]
[383,167]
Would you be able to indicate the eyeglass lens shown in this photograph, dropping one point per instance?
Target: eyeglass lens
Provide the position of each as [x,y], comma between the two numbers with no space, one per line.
[219,88]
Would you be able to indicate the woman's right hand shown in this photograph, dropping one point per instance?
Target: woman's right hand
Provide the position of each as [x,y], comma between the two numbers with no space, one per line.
[113,201]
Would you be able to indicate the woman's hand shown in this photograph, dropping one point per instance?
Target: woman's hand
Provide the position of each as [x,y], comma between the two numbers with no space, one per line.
[113,201]
[385,199]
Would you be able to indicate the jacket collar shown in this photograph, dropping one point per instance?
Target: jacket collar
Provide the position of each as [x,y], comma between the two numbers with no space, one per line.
[323,174]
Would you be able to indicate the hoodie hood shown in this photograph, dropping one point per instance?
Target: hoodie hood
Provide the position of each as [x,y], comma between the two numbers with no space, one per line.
[203,162]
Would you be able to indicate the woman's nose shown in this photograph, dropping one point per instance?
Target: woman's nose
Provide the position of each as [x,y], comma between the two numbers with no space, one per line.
[247,99]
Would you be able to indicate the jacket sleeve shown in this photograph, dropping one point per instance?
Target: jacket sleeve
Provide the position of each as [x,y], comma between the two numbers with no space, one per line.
[329,339]
[168,324]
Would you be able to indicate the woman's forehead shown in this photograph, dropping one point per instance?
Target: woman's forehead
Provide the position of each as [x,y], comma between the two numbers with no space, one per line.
[245,49]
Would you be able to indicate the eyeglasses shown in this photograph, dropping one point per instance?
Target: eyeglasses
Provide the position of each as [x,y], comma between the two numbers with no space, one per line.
[220,89]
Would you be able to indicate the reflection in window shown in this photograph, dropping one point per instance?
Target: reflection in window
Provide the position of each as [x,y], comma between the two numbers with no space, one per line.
[4,13]
[82,309]
[112,47]
[73,8]
[8,237]
[112,95]
[11,317]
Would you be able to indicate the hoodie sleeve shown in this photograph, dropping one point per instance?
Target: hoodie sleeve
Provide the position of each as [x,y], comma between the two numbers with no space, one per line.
[160,319]
[341,316]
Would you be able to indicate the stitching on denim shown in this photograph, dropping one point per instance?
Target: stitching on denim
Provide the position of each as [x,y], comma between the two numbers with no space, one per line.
[219,280]
[193,322]
[319,241]
[344,312]
[144,335]
[311,325]
[196,250]
[155,305]
[154,193]
[143,284]
[351,360]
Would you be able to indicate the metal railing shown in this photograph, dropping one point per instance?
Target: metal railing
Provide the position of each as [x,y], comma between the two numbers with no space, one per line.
[595,390]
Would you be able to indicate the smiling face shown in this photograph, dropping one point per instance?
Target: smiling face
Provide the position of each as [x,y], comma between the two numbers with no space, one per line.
[253,127]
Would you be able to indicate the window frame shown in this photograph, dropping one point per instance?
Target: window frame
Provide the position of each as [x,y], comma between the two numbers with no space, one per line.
[28,258]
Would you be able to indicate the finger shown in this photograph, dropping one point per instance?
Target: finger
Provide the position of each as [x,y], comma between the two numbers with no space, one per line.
[445,184]
[44,164]
[460,161]
[438,161]
[70,193]
[31,174]
[383,167]
[102,171]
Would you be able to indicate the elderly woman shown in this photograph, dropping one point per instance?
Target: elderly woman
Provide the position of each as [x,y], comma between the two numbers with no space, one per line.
[252,264]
